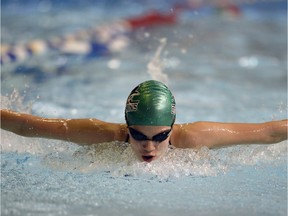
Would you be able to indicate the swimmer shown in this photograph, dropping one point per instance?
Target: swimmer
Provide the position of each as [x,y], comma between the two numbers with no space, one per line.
[150,115]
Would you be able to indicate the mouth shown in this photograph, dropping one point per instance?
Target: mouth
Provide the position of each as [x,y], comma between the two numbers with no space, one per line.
[147,158]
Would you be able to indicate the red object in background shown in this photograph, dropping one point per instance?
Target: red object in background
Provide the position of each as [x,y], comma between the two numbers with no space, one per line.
[152,18]
[234,9]
[230,9]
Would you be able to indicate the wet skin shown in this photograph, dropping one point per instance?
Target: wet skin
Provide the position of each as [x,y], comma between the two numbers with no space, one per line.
[190,135]
[148,150]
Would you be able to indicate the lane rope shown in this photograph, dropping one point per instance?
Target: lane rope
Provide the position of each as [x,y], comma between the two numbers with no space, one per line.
[99,40]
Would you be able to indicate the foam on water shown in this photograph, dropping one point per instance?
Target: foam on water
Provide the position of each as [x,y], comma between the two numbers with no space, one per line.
[118,159]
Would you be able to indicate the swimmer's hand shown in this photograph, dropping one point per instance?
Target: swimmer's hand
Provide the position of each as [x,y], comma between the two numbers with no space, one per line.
[80,131]
[213,135]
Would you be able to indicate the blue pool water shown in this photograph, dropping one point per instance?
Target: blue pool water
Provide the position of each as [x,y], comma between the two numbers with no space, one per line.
[219,68]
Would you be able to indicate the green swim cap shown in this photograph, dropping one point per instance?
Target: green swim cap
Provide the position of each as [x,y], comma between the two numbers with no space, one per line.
[151,103]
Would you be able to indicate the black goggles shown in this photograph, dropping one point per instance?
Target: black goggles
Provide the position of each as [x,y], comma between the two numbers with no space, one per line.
[160,137]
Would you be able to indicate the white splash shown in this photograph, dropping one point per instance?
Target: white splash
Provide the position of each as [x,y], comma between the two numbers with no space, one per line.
[119,160]
[155,66]
[15,102]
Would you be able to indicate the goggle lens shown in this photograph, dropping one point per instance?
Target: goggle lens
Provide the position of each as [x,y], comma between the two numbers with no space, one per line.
[137,135]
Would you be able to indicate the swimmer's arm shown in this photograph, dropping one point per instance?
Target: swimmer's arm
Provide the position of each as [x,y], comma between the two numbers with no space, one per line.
[213,135]
[80,131]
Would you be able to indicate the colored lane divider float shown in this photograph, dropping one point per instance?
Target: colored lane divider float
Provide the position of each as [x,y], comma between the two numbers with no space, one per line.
[97,41]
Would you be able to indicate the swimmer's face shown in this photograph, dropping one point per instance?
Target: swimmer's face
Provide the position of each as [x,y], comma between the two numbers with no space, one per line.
[149,142]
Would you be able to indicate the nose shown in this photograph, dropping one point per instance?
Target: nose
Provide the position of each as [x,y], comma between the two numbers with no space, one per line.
[148,146]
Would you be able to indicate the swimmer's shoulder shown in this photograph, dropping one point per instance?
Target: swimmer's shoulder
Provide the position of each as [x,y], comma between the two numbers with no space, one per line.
[184,135]
[120,131]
